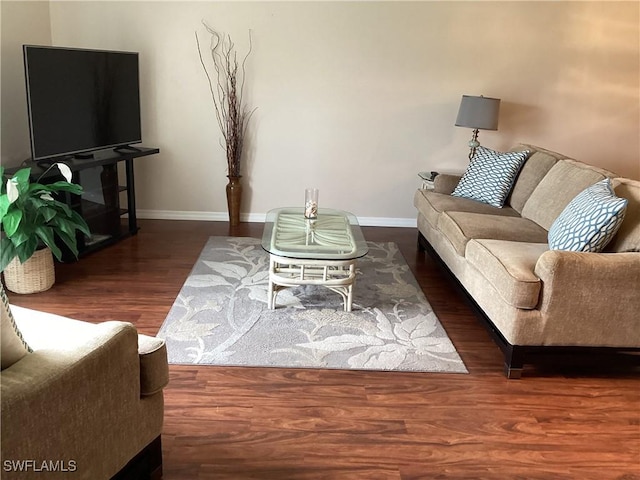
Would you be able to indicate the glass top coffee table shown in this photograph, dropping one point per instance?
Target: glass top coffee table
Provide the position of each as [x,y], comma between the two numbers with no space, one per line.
[323,251]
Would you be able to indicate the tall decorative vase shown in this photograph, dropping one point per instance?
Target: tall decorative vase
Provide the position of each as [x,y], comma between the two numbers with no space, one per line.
[234,199]
[35,275]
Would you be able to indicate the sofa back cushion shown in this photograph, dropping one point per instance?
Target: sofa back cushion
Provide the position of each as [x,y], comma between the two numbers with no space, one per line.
[628,237]
[565,180]
[533,171]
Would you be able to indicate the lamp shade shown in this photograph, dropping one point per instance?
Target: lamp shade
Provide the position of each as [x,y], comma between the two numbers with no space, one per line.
[478,112]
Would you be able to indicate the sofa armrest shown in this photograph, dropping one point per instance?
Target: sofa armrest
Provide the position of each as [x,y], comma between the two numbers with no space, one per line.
[154,368]
[446,183]
[591,297]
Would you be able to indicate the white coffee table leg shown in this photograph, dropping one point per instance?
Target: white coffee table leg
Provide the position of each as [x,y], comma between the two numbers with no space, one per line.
[285,273]
[348,302]
[271,292]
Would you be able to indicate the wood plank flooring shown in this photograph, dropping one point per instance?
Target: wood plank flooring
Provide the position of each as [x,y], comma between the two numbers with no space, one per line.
[267,423]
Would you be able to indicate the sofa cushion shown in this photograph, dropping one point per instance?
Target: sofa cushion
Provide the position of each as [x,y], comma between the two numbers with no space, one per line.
[47,331]
[490,176]
[589,221]
[628,237]
[565,180]
[509,268]
[432,204]
[532,172]
[460,227]
[13,346]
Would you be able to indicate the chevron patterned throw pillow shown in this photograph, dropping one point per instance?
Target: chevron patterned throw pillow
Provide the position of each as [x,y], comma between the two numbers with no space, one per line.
[12,346]
[490,176]
[589,221]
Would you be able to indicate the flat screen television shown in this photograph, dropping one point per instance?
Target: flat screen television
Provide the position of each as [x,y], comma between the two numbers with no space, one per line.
[81,100]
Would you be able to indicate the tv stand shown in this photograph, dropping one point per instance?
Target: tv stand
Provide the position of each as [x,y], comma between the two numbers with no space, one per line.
[126,148]
[83,156]
[105,199]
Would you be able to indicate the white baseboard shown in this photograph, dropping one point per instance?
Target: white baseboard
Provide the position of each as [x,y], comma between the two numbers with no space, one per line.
[260,217]
[387,222]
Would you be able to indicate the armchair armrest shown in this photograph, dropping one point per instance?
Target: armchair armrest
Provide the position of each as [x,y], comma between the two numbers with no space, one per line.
[154,368]
[591,297]
[446,183]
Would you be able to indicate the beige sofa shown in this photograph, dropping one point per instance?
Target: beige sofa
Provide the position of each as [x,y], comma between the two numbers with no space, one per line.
[87,403]
[531,298]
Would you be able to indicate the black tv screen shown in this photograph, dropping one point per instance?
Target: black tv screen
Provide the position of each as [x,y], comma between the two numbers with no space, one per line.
[81,100]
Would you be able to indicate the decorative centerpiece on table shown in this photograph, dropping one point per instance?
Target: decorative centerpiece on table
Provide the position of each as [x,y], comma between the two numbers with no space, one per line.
[311,203]
[232,115]
[32,220]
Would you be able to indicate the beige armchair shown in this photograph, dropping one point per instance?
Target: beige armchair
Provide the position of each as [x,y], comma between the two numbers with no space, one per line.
[86,403]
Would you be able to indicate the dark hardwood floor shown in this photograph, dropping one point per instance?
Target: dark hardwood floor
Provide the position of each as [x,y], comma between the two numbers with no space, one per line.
[268,423]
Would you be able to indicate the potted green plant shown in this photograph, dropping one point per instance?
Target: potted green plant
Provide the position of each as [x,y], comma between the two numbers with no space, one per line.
[31,222]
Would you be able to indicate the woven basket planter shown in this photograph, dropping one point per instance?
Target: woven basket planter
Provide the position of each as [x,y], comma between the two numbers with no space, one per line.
[35,275]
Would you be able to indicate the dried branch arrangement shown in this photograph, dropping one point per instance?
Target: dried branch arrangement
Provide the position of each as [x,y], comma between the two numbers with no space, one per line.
[227,94]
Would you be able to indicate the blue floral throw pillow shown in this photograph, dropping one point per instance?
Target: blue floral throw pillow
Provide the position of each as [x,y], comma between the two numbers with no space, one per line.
[490,176]
[589,221]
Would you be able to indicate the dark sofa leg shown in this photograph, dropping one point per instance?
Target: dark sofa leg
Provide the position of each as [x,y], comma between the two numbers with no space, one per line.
[513,362]
[155,472]
[511,372]
[147,465]
[422,243]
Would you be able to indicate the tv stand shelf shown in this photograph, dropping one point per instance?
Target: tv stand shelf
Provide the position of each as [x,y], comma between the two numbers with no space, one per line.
[107,177]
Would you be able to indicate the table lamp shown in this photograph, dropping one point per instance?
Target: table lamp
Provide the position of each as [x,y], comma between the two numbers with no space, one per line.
[479,113]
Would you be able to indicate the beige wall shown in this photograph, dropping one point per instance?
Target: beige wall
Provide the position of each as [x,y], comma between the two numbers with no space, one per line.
[22,23]
[356,98]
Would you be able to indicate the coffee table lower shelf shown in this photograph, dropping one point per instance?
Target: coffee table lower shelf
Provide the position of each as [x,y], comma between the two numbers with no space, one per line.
[336,275]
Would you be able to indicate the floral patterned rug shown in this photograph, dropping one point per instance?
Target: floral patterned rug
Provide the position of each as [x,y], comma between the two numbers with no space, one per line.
[221,318]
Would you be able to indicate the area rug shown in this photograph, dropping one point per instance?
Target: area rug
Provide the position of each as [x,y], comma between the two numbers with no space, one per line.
[221,317]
